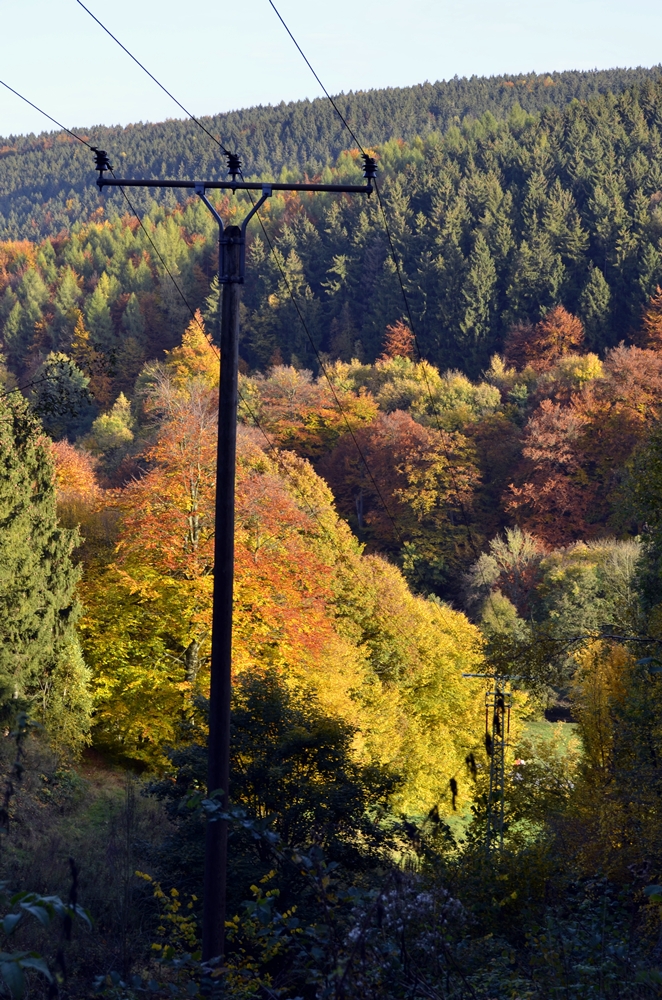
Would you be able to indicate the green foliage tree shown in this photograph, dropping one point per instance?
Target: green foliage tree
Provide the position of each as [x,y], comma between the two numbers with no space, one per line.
[41,669]
[594,309]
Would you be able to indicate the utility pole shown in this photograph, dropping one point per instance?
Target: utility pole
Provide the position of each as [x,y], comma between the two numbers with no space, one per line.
[498,703]
[231,268]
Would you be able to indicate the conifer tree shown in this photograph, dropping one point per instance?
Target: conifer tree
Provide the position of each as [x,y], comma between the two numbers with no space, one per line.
[478,294]
[133,320]
[594,309]
[41,669]
[99,320]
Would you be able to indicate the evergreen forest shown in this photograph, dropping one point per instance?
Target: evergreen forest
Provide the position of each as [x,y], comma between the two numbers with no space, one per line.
[446,724]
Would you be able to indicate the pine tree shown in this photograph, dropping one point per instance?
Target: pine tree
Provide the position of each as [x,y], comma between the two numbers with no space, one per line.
[99,320]
[537,278]
[594,309]
[478,293]
[38,603]
[133,320]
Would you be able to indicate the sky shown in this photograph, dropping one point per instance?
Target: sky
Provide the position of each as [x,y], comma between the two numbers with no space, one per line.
[218,56]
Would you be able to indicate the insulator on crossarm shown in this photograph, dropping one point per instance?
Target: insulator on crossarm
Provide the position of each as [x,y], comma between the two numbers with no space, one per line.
[101,159]
[234,165]
[369,169]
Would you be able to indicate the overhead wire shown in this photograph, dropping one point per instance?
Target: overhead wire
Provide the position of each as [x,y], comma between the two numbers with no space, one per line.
[50,117]
[396,262]
[273,449]
[151,75]
[280,268]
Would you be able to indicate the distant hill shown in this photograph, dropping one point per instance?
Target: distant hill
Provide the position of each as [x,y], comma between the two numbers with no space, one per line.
[46,181]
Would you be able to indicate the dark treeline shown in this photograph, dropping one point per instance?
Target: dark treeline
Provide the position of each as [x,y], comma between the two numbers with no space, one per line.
[494,223]
[46,181]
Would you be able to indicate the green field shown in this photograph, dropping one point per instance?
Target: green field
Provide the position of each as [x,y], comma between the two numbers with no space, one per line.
[548,730]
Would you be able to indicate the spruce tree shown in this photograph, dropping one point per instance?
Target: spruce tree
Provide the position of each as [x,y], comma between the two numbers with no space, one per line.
[38,603]
[595,310]
[99,320]
[478,294]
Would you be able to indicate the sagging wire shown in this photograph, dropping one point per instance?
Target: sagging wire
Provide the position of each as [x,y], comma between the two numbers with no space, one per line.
[50,118]
[396,262]
[272,447]
[152,77]
[272,251]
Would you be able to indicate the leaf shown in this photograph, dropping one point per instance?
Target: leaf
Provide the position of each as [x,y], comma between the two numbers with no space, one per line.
[653,891]
[81,912]
[35,962]
[42,913]
[12,974]
[10,921]
[649,976]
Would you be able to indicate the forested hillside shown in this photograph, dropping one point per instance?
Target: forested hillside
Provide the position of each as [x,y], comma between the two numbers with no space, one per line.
[45,181]
[494,223]
[447,538]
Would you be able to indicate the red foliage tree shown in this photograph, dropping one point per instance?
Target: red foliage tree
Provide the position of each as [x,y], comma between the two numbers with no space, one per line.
[552,500]
[558,333]
[417,487]
[573,453]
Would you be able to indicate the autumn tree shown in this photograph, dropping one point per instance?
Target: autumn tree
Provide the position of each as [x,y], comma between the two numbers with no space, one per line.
[511,566]
[398,341]
[409,490]
[575,452]
[557,333]
[651,323]
[304,414]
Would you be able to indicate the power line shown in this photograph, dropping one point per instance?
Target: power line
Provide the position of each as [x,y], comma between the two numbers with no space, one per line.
[308,64]
[151,75]
[398,269]
[252,415]
[272,251]
[50,117]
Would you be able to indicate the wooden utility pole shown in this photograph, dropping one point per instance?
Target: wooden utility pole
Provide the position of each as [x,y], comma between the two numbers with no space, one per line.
[231,266]
[218,766]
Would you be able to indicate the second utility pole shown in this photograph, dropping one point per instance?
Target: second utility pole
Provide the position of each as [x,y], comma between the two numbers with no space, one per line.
[231,262]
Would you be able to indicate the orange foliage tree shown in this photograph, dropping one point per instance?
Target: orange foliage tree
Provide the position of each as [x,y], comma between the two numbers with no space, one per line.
[148,631]
[302,413]
[540,346]
[398,342]
[651,324]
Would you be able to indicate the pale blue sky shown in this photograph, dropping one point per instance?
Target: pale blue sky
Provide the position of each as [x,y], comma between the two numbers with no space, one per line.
[238,54]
